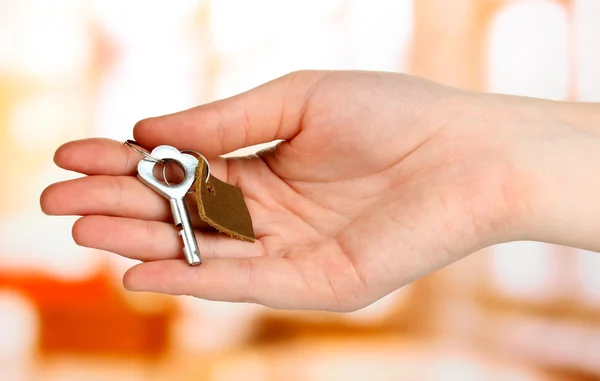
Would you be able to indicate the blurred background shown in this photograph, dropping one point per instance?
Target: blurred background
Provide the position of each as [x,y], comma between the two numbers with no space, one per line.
[71,69]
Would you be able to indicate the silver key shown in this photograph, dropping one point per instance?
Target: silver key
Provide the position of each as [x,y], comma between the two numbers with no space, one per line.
[175,194]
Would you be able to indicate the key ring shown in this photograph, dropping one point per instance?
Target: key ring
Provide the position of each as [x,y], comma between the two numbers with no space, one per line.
[132,143]
[198,155]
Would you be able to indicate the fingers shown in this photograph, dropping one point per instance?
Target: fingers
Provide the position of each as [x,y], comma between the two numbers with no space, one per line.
[270,281]
[153,240]
[99,156]
[120,196]
[268,112]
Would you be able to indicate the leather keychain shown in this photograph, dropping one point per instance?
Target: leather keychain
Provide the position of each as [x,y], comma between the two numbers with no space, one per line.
[222,206]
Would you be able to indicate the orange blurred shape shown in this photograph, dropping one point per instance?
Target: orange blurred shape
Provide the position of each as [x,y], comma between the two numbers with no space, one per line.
[90,317]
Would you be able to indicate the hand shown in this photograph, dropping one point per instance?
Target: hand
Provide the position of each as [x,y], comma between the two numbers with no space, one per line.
[381,178]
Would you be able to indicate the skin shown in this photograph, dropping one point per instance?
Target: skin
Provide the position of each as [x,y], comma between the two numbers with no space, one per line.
[381,178]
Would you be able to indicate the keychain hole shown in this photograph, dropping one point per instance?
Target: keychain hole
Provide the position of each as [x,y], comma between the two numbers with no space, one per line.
[171,173]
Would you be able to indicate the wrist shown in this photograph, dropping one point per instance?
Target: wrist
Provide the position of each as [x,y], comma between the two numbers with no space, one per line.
[562,158]
[584,117]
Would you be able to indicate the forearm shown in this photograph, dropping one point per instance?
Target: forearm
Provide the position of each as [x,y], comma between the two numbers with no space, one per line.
[565,195]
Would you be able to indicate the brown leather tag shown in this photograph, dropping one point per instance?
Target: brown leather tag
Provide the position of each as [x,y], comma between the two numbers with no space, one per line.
[222,206]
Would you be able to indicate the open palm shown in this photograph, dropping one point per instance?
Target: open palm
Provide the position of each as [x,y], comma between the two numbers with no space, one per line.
[377,181]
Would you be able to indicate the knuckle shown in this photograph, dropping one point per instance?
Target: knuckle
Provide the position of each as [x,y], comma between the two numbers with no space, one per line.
[151,234]
[116,187]
[246,269]
[216,117]
[209,248]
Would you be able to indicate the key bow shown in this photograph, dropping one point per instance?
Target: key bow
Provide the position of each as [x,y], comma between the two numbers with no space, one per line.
[188,162]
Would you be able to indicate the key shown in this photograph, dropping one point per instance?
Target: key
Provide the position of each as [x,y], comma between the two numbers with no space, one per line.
[175,193]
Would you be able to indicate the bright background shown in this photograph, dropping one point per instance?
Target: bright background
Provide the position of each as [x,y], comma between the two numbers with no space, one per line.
[71,69]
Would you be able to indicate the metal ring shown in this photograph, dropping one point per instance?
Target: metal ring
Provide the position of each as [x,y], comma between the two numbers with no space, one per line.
[164,169]
[199,155]
[132,143]
[164,174]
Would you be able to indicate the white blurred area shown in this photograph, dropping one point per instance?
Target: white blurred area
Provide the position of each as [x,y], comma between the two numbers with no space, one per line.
[71,69]
[19,334]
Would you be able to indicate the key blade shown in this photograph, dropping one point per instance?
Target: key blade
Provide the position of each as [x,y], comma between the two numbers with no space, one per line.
[182,218]
[176,211]
[190,250]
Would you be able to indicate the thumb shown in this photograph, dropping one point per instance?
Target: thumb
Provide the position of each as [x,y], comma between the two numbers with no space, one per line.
[271,111]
